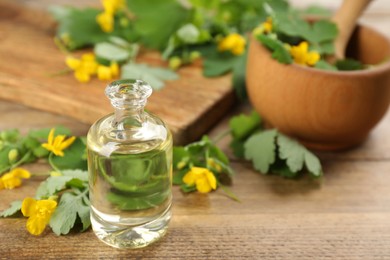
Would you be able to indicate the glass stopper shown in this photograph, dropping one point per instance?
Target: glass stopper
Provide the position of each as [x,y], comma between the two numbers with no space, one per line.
[128,93]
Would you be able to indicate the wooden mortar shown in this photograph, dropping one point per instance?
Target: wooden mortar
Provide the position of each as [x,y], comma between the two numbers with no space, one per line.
[327,110]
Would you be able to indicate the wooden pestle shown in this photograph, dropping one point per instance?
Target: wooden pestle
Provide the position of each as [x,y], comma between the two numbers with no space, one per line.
[345,19]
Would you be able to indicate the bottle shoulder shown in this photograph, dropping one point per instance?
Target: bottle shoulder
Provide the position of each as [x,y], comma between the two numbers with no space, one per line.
[107,136]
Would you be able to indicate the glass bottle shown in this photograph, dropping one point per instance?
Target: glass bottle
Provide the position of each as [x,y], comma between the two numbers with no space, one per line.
[130,170]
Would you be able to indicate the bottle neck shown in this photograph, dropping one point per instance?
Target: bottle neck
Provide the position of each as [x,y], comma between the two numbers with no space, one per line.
[125,118]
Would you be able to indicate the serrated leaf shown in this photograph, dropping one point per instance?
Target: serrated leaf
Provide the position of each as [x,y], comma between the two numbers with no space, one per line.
[279,52]
[296,156]
[260,148]
[70,206]
[291,151]
[322,31]
[13,209]
[313,164]
[242,126]
[111,52]
[169,15]
[152,75]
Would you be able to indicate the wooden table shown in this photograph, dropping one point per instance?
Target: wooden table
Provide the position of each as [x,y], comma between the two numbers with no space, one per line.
[345,215]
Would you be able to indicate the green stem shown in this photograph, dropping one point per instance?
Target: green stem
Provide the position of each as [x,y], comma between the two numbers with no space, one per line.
[52,164]
[229,193]
[22,160]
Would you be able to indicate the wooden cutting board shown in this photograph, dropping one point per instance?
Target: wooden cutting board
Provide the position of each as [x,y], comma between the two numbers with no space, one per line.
[29,57]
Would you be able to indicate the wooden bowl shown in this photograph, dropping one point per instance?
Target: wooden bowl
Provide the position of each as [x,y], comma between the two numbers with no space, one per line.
[323,109]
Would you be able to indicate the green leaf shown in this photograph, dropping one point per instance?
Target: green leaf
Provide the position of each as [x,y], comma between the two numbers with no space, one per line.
[260,148]
[313,164]
[349,64]
[76,174]
[111,52]
[185,188]
[152,75]
[13,209]
[316,10]
[296,156]
[238,148]
[179,154]
[322,31]
[73,157]
[81,28]
[11,135]
[326,47]
[157,20]
[71,205]
[242,126]
[42,134]
[52,185]
[40,152]
[279,52]
[218,64]
[178,176]
[322,64]
[292,152]
[239,76]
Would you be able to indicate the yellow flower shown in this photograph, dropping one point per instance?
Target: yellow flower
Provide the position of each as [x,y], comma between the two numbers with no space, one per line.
[58,144]
[106,18]
[233,42]
[82,76]
[204,179]
[114,69]
[111,6]
[13,178]
[303,56]
[108,72]
[84,67]
[267,25]
[105,21]
[39,213]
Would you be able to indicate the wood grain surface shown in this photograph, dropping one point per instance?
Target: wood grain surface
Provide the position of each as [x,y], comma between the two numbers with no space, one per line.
[345,215]
[28,56]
